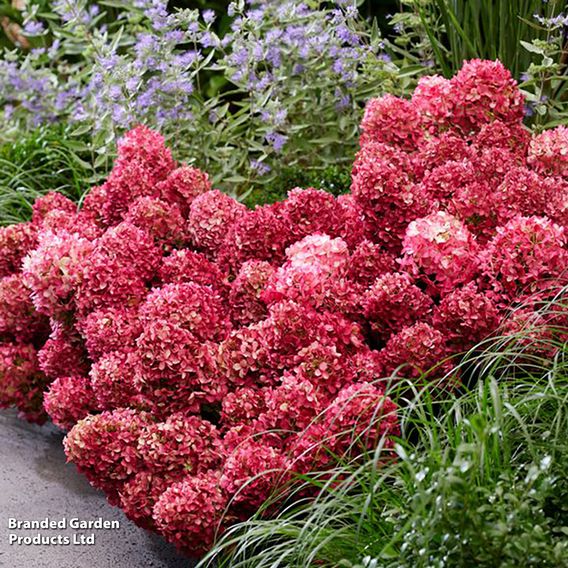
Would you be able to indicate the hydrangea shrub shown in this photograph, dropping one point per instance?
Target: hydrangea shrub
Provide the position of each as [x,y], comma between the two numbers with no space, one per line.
[199,352]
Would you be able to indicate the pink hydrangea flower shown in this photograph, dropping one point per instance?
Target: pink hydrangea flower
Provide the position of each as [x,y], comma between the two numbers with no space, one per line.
[466,316]
[433,100]
[182,186]
[68,400]
[15,243]
[184,265]
[250,475]
[160,219]
[18,317]
[414,349]
[391,120]
[526,256]
[440,249]
[52,271]
[184,443]
[104,448]
[394,302]
[245,297]
[484,91]
[21,381]
[190,511]
[211,216]
[548,152]
[63,354]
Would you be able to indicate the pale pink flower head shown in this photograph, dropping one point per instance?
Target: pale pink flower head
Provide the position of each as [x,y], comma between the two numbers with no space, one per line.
[548,152]
[52,271]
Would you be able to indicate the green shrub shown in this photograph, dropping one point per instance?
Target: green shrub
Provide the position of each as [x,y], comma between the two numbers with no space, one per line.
[42,161]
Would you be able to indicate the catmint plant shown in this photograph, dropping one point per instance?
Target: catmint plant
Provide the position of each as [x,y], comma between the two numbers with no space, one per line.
[106,66]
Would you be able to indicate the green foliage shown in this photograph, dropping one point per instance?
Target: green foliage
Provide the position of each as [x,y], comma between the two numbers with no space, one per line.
[334,179]
[479,477]
[44,160]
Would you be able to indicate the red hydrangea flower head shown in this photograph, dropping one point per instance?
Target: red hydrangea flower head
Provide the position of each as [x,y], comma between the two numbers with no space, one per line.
[52,201]
[68,400]
[526,256]
[63,354]
[184,265]
[310,211]
[256,235]
[360,416]
[190,306]
[442,250]
[141,144]
[243,356]
[18,317]
[433,99]
[110,329]
[292,405]
[15,242]
[414,350]
[211,215]
[113,379]
[104,448]
[466,316]
[513,137]
[183,185]
[160,219]
[368,262]
[140,493]
[242,406]
[245,296]
[390,120]
[190,511]
[21,382]
[184,443]
[251,473]
[394,302]
[53,269]
[484,91]
[548,152]
[384,187]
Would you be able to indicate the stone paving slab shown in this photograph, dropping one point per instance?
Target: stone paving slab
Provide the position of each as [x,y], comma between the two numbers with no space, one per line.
[36,483]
